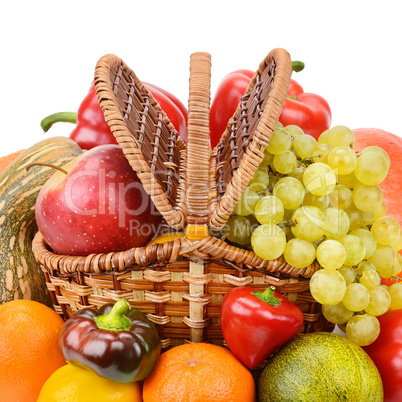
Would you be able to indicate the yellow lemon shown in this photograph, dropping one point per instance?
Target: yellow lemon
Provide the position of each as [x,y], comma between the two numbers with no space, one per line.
[71,383]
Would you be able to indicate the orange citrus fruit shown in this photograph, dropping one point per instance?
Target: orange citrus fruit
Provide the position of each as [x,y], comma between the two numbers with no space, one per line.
[199,372]
[29,348]
[79,384]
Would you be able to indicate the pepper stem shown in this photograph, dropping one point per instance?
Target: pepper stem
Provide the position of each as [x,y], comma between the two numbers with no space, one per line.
[65,117]
[297,66]
[267,296]
[116,319]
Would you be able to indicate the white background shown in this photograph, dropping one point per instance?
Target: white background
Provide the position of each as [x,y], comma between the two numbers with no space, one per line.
[352,51]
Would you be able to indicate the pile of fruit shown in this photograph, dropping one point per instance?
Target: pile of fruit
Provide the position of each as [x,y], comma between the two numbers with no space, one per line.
[322,193]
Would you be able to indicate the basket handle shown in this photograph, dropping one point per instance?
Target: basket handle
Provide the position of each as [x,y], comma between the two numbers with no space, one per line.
[198,146]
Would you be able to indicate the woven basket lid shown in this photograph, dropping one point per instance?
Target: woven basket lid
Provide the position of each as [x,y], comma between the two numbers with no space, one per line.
[190,184]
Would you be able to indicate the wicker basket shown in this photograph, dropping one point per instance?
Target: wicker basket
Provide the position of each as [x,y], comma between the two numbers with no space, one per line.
[180,284]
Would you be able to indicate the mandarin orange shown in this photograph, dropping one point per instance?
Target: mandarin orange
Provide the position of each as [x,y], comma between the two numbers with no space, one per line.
[29,348]
[199,372]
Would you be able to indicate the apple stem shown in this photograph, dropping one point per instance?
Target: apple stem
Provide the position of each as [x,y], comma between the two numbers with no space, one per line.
[46,164]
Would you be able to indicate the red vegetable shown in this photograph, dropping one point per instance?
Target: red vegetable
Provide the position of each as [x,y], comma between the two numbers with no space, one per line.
[92,130]
[226,99]
[254,324]
[386,352]
[309,111]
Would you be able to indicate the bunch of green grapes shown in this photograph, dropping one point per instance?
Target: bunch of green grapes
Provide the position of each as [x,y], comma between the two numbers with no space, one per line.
[320,201]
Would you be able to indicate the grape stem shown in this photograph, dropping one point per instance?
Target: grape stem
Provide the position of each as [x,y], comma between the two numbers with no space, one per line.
[308,160]
[288,224]
[267,296]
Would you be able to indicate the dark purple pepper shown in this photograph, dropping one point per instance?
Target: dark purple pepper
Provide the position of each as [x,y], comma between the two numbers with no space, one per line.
[117,342]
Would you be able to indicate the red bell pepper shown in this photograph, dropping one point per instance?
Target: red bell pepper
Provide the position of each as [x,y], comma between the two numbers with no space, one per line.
[386,353]
[254,324]
[309,111]
[92,130]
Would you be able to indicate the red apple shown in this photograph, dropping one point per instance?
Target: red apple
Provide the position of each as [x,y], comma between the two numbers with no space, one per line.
[99,206]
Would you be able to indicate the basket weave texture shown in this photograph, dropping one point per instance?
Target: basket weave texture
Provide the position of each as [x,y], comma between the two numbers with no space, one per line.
[180,284]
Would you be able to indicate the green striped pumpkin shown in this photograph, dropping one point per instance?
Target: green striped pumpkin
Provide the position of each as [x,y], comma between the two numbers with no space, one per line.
[20,275]
[320,367]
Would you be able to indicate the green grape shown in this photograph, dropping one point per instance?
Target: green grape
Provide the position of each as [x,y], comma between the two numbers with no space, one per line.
[340,136]
[337,314]
[368,239]
[348,274]
[269,209]
[280,141]
[355,249]
[342,160]
[362,266]
[367,198]
[370,279]
[268,241]
[348,180]
[398,245]
[238,229]
[290,191]
[327,286]
[247,202]
[319,179]
[395,291]
[363,329]
[294,130]
[380,301]
[331,254]
[383,259]
[285,162]
[297,173]
[398,264]
[380,211]
[267,160]
[308,223]
[303,145]
[367,217]
[379,150]
[319,202]
[386,230]
[320,153]
[322,139]
[371,168]
[356,218]
[299,253]
[273,179]
[260,180]
[356,297]
[336,223]
[340,197]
